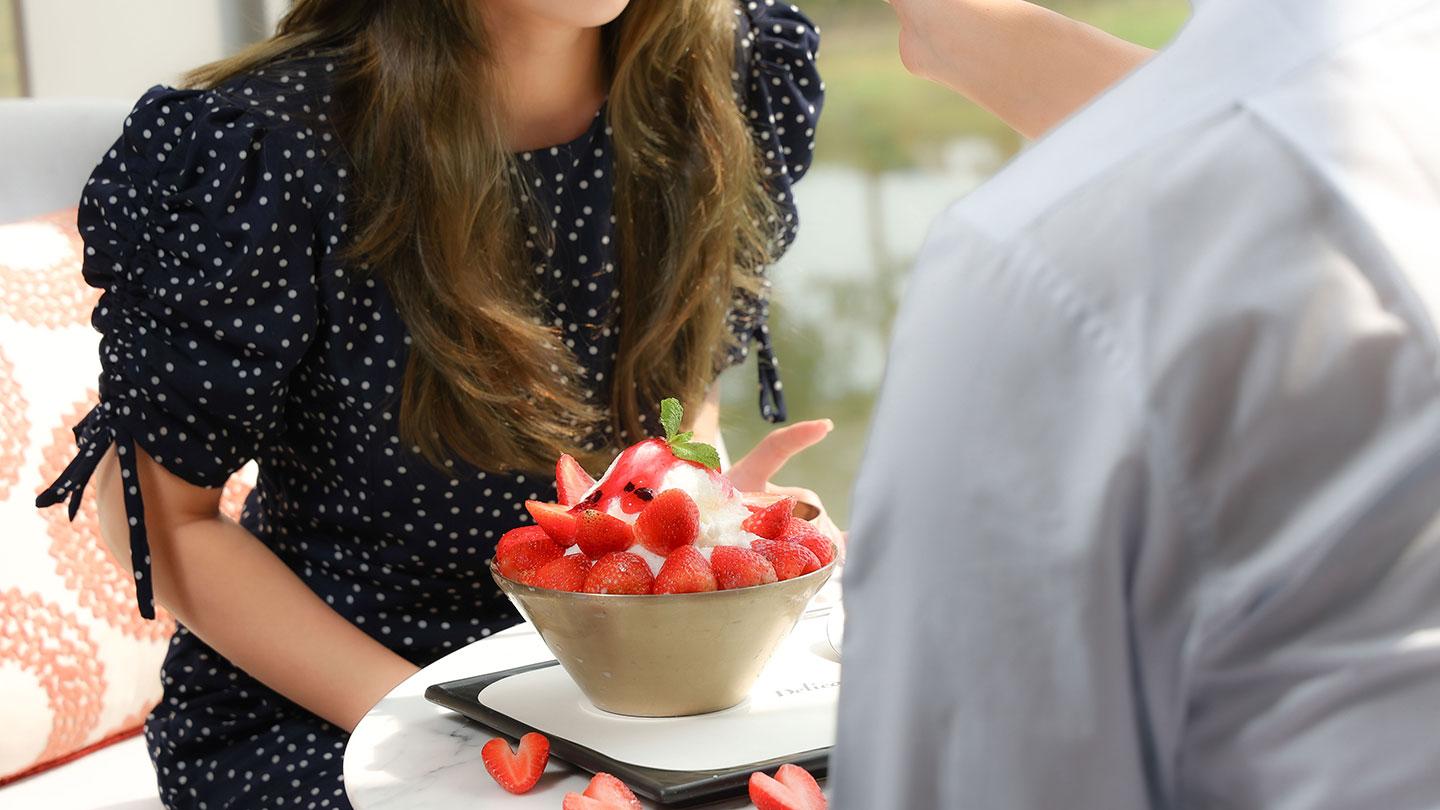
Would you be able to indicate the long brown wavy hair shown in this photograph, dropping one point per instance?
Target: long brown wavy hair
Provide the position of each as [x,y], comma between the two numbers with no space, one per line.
[438,214]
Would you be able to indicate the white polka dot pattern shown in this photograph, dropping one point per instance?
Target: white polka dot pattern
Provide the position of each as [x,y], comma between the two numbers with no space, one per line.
[235,328]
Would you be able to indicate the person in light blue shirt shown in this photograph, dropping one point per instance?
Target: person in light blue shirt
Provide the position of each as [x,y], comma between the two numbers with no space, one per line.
[1150,516]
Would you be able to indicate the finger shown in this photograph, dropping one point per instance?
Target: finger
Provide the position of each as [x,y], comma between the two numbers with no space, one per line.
[756,468]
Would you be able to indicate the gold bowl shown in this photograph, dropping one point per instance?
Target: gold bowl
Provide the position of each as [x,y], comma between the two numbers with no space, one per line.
[665,655]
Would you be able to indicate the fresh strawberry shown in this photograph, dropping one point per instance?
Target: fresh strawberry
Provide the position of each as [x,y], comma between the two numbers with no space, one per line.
[565,573]
[556,519]
[792,788]
[789,559]
[604,792]
[521,552]
[571,480]
[598,534]
[771,522]
[737,567]
[685,571]
[638,473]
[802,532]
[620,572]
[821,547]
[517,773]
[797,529]
[670,521]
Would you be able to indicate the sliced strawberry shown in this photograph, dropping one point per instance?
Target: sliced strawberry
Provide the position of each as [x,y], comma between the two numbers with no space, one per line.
[685,571]
[620,572]
[802,532]
[821,547]
[521,552]
[571,480]
[555,519]
[797,529]
[611,793]
[792,788]
[789,559]
[517,773]
[565,573]
[574,801]
[668,522]
[771,522]
[737,567]
[599,534]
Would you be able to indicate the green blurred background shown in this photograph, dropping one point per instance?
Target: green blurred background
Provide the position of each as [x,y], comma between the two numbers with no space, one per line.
[892,152]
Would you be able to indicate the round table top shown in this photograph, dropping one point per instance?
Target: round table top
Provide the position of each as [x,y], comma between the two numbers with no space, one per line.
[409,754]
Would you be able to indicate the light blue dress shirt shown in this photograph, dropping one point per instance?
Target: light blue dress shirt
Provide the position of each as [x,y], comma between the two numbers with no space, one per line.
[1150,516]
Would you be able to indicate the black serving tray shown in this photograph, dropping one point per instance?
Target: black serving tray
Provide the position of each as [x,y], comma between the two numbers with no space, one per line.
[667,788]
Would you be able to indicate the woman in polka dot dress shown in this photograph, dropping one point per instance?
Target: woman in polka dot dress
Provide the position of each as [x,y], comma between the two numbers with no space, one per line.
[404,254]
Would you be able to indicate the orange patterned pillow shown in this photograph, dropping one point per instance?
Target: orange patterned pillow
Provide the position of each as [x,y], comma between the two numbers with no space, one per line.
[78,666]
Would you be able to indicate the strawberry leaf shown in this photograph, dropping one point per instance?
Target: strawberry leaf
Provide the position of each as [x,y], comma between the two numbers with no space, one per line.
[682,438]
[698,452]
[670,415]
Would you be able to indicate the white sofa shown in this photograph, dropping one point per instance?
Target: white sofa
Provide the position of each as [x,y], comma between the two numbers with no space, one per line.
[47,149]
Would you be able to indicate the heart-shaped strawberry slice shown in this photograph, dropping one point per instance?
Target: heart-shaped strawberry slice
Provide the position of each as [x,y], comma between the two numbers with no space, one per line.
[792,788]
[517,772]
[604,792]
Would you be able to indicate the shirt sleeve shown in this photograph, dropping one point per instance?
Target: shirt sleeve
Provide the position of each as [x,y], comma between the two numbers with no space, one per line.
[198,232]
[781,94]
[1148,515]
[1295,368]
[987,656]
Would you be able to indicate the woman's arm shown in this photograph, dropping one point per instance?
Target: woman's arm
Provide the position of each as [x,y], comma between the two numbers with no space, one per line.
[1028,65]
[227,588]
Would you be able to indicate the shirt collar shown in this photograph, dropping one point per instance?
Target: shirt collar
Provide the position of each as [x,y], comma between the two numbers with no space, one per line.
[1229,48]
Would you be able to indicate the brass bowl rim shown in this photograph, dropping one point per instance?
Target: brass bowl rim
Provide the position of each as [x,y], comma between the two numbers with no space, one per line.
[605,597]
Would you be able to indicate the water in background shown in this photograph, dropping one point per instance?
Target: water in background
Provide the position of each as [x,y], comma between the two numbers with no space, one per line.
[893,151]
[835,295]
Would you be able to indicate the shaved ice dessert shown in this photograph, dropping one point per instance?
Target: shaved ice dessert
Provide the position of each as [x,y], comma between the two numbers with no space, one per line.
[663,519]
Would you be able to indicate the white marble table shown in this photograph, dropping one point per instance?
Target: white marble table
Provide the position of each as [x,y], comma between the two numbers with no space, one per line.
[409,754]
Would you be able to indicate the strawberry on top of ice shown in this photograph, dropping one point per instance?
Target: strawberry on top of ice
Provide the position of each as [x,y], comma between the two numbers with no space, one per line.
[644,470]
[658,497]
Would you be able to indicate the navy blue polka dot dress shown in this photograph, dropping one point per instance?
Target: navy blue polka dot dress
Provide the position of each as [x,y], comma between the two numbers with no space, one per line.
[232,329]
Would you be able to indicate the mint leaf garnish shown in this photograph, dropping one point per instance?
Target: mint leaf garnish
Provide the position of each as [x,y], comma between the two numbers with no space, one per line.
[681,444]
[670,414]
[698,452]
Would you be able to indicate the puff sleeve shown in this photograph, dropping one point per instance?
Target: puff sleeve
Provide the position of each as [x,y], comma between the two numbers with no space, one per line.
[781,95]
[198,231]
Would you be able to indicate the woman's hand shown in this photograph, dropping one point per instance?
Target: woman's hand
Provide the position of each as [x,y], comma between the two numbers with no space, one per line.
[1030,66]
[753,472]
